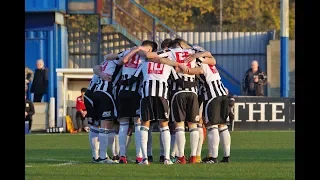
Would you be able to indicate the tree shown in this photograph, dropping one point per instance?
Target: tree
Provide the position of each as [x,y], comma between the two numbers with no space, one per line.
[190,15]
[179,15]
[80,22]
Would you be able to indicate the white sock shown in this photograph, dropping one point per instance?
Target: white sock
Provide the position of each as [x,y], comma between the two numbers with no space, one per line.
[213,140]
[144,141]
[137,139]
[200,143]
[149,145]
[128,143]
[194,140]
[115,146]
[173,145]
[181,140]
[93,140]
[166,140]
[103,140]
[225,141]
[123,130]
[111,136]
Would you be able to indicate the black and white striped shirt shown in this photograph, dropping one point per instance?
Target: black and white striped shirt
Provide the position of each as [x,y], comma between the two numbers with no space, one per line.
[93,82]
[213,86]
[154,79]
[111,68]
[178,55]
[129,69]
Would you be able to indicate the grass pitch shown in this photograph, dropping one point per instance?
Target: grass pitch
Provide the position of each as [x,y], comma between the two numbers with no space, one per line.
[254,155]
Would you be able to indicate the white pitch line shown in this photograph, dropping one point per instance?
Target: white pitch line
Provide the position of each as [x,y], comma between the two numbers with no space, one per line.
[65,162]
[50,159]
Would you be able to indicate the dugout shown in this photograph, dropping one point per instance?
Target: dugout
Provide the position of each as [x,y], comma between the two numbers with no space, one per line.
[69,82]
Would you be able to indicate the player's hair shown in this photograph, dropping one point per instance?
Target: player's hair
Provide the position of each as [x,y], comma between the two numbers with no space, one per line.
[165,43]
[149,43]
[83,89]
[178,42]
[154,47]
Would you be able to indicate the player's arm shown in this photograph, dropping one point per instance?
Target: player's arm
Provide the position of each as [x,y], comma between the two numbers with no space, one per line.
[191,71]
[194,71]
[207,58]
[149,55]
[98,71]
[110,57]
[129,55]
[167,61]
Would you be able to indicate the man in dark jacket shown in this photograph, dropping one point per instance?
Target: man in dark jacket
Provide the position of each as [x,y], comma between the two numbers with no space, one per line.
[29,111]
[40,81]
[254,80]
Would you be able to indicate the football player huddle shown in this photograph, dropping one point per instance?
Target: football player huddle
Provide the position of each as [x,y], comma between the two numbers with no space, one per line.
[138,87]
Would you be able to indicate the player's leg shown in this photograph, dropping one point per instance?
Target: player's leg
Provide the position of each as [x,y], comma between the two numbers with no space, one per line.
[106,132]
[146,115]
[94,130]
[193,119]
[135,114]
[201,132]
[94,123]
[115,145]
[124,126]
[129,135]
[124,121]
[173,144]
[161,158]
[137,139]
[178,117]
[213,119]
[161,112]
[149,145]
[225,137]
[201,140]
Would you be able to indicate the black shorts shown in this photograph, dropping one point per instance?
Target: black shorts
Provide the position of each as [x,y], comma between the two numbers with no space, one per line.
[154,109]
[184,107]
[216,110]
[129,104]
[104,106]
[88,102]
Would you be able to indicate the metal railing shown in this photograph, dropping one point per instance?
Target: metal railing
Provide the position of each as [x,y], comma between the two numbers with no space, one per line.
[131,18]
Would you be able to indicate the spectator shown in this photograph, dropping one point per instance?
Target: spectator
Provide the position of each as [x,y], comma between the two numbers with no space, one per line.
[254,80]
[81,112]
[28,77]
[29,111]
[40,82]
